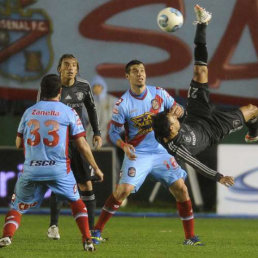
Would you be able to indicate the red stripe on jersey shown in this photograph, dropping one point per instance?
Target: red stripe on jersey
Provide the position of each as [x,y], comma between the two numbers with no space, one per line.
[137,139]
[68,162]
[116,123]
[82,134]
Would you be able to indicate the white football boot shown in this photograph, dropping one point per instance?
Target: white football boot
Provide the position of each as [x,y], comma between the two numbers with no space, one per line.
[202,16]
[53,232]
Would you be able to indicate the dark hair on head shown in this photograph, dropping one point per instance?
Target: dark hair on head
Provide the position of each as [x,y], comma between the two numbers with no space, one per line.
[161,124]
[50,86]
[66,56]
[131,63]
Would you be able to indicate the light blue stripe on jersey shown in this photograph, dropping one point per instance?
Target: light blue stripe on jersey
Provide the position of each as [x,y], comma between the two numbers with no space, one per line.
[45,128]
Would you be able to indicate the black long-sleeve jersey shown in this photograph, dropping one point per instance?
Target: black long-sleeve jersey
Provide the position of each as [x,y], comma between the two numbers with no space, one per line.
[203,126]
[79,97]
[188,142]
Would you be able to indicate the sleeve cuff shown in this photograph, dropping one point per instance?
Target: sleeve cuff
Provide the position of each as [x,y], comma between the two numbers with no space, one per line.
[82,134]
[218,176]
[20,135]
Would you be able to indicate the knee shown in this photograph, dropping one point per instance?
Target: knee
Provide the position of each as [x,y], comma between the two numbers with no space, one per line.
[122,191]
[200,73]
[180,192]
[87,186]
[249,112]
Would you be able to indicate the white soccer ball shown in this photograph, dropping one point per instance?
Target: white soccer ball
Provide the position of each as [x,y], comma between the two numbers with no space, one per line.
[170,19]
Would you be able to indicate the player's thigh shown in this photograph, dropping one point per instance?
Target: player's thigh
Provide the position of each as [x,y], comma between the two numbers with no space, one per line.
[166,170]
[27,194]
[65,188]
[134,172]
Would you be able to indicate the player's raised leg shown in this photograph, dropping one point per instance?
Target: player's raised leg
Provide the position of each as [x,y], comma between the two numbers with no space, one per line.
[200,51]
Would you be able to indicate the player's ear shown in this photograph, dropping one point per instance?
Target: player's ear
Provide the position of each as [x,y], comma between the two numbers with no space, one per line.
[171,128]
[127,76]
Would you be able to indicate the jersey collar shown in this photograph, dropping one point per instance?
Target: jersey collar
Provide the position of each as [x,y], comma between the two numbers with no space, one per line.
[141,96]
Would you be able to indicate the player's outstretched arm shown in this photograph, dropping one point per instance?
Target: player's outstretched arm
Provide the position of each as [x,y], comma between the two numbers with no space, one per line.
[227,181]
[85,150]
[180,153]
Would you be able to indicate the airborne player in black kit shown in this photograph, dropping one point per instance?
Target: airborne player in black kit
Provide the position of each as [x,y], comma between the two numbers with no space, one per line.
[204,124]
[76,93]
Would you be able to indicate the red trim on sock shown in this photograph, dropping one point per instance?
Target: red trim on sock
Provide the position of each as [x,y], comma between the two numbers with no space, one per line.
[185,211]
[110,207]
[10,228]
[82,221]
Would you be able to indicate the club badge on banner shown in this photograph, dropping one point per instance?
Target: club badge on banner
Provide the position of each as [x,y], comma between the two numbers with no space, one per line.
[241,162]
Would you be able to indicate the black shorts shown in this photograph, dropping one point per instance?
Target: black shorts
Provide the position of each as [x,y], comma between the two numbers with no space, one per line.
[82,170]
[217,122]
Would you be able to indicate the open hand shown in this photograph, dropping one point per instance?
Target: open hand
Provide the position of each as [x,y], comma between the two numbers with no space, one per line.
[227,181]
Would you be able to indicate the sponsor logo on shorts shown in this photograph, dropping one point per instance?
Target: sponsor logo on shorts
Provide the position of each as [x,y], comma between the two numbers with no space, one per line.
[25,206]
[43,163]
[131,172]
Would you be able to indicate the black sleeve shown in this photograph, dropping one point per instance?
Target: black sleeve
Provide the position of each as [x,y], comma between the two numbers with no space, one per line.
[92,112]
[180,153]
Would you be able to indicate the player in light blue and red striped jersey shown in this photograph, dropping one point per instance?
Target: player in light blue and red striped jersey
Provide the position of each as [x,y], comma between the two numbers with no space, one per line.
[143,154]
[57,122]
[44,133]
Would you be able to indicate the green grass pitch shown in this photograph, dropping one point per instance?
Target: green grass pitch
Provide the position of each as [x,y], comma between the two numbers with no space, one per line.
[136,237]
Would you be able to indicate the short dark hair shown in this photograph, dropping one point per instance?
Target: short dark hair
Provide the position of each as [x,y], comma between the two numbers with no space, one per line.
[131,63]
[50,86]
[66,56]
[161,124]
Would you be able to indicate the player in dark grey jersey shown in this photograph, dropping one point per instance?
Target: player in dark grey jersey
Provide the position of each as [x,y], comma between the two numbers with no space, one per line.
[76,93]
[204,124]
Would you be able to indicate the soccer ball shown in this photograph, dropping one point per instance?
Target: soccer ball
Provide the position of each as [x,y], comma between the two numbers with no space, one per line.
[170,19]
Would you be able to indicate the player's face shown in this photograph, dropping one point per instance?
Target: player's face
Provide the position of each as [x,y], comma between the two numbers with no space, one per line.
[97,89]
[174,124]
[68,69]
[137,76]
